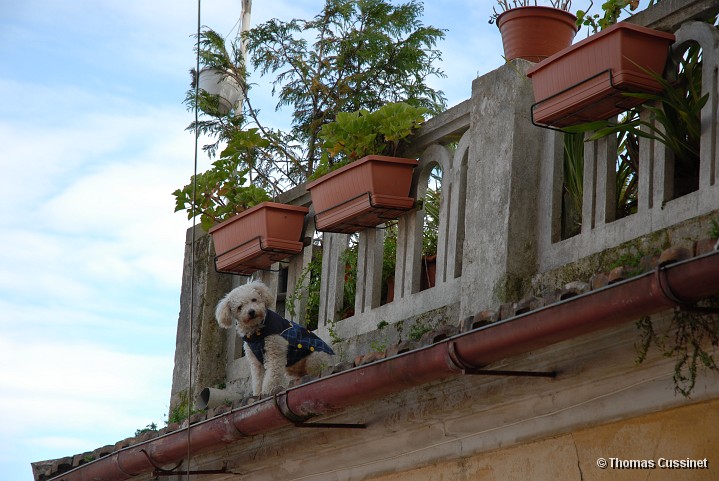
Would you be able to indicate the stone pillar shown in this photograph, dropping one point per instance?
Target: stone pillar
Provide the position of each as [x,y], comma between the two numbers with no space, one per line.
[502,190]
[206,339]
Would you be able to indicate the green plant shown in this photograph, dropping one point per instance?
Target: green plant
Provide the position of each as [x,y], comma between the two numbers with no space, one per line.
[430,204]
[627,178]
[307,287]
[152,427]
[627,168]
[611,11]
[505,5]
[685,340]
[378,346]
[182,410]
[225,189]
[572,195]
[420,327]
[674,119]
[364,54]
[714,230]
[353,135]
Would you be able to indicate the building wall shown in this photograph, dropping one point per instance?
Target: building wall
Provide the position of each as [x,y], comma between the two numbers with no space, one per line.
[683,433]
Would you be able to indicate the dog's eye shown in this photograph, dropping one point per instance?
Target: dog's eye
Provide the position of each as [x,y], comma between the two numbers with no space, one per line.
[239,308]
[254,300]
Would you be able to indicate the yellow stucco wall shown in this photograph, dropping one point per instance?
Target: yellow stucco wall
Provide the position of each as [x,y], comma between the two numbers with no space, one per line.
[690,432]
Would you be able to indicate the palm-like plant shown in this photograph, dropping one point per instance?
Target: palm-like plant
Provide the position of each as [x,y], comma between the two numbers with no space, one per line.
[673,120]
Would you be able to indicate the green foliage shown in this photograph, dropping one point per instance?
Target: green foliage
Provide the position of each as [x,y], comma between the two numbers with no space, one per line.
[685,340]
[214,54]
[627,178]
[308,284]
[349,259]
[572,197]
[353,135]
[673,120]
[223,190]
[611,11]
[419,329]
[152,427]
[182,409]
[627,168]
[674,115]
[430,204]
[363,54]
[377,346]
[714,230]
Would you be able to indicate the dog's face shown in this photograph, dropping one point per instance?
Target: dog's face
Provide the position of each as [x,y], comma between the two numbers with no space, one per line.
[246,305]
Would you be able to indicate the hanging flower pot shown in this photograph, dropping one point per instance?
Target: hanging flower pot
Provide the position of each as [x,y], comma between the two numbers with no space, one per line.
[258,237]
[216,82]
[362,194]
[586,81]
[535,33]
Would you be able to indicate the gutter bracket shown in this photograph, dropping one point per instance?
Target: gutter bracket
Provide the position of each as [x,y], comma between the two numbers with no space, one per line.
[301,421]
[158,471]
[331,425]
[163,472]
[682,304]
[456,360]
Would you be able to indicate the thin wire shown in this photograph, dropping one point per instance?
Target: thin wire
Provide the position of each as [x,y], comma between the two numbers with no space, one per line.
[233,27]
[192,243]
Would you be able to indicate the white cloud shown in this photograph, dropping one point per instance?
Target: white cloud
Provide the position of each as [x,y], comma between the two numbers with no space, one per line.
[90,238]
[63,399]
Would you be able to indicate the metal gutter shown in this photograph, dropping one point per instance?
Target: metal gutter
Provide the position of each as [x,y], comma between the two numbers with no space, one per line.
[668,286]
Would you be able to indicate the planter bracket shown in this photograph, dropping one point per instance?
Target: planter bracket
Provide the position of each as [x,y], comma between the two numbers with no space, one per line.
[282,255]
[380,211]
[612,86]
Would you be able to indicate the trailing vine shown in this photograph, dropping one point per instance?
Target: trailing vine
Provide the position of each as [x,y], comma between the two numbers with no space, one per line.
[685,340]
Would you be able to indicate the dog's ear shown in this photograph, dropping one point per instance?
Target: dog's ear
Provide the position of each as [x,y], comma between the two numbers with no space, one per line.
[264,292]
[223,314]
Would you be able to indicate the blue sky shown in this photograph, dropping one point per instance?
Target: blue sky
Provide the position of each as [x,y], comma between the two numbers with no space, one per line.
[93,143]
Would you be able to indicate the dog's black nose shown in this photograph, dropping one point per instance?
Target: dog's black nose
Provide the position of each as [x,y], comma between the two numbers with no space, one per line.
[251,313]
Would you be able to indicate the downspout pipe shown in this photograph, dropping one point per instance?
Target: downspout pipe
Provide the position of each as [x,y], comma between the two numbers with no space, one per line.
[211,397]
[669,286]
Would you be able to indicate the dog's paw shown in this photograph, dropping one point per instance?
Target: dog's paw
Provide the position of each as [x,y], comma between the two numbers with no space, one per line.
[271,391]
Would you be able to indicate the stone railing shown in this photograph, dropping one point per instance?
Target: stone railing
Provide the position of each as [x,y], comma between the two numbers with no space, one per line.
[659,206]
[500,213]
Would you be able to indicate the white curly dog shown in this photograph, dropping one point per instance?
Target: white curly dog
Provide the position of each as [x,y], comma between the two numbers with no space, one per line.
[278,350]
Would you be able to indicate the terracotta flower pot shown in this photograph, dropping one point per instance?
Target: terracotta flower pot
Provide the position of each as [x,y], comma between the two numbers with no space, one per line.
[586,81]
[258,237]
[214,82]
[535,33]
[363,194]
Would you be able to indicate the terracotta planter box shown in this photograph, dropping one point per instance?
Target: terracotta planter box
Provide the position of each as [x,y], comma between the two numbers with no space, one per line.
[535,33]
[363,194]
[258,237]
[586,81]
